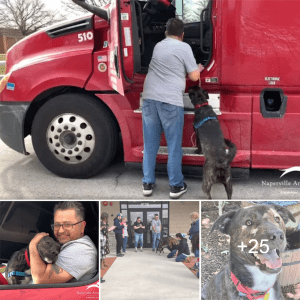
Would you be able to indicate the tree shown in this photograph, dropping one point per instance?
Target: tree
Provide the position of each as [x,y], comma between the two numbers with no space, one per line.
[26,15]
[76,9]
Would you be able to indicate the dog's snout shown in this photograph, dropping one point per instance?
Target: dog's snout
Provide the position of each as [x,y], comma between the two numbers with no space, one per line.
[276,236]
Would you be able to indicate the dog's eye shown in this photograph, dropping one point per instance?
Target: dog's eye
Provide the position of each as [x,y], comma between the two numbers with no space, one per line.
[248,223]
[277,219]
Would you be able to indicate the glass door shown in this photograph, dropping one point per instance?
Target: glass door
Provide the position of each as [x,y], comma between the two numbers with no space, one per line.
[148,233]
[146,211]
[133,215]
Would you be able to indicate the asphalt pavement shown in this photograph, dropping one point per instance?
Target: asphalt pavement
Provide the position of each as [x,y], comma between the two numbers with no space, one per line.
[148,275]
[24,177]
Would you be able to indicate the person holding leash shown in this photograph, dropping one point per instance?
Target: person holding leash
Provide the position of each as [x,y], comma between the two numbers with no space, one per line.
[156,230]
[163,109]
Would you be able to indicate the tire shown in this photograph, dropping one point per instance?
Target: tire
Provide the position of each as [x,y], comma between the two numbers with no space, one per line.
[74,136]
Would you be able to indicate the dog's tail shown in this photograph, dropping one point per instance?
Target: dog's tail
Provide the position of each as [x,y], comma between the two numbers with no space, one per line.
[231,151]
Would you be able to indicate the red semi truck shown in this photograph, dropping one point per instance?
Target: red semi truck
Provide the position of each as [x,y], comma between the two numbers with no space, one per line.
[75,86]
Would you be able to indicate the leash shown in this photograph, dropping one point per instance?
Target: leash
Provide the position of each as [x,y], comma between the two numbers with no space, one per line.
[198,125]
[27,258]
[246,291]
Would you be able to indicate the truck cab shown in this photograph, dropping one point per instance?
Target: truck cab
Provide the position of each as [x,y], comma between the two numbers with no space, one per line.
[75,86]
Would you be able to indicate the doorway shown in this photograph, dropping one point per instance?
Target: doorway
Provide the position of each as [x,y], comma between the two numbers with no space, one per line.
[146,211]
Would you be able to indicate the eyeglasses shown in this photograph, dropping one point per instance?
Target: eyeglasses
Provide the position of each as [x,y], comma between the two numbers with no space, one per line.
[66,226]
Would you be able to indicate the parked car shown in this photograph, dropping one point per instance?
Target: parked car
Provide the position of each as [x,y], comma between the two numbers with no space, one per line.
[19,222]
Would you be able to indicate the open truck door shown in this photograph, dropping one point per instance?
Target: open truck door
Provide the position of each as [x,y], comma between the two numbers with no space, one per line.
[124,52]
[123,41]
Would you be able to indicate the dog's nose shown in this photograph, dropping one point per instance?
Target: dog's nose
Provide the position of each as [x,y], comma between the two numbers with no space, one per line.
[277,236]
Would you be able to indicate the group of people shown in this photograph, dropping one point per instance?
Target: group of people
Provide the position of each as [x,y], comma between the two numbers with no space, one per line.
[178,246]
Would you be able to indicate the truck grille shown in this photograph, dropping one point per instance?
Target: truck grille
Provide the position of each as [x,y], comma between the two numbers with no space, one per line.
[69,28]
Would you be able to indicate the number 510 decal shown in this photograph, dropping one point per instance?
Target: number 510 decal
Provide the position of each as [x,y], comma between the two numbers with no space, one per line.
[82,37]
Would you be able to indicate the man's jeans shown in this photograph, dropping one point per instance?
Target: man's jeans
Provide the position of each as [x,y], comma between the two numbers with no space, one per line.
[125,239]
[157,117]
[138,237]
[155,239]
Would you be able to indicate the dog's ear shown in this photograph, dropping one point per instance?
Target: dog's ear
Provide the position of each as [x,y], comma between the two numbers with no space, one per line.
[205,94]
[192,90]
[223,222]
[284,213]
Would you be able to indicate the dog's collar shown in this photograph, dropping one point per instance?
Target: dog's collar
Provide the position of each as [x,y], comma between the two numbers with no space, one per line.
[246,291]
[17,273]
[200,105]
[27,258]
[203,121]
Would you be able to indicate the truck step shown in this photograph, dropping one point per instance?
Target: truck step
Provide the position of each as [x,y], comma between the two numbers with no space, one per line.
[187,151]
[189,171]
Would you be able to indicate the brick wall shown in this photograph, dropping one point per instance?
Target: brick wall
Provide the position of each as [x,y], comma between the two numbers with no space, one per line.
[112,210]
[180,219]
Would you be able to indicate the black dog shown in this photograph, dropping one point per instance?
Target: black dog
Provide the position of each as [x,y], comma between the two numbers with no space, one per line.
[218,152]
[161,245]
[18,268]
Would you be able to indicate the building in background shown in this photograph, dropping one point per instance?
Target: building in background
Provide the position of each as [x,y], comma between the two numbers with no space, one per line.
[9,37]
[174,215]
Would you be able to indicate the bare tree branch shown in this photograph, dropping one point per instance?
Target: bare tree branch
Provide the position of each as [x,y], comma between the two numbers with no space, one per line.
[27,15]
[75,9]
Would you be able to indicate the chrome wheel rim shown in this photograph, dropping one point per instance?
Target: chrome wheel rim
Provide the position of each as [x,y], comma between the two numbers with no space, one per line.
[70,138]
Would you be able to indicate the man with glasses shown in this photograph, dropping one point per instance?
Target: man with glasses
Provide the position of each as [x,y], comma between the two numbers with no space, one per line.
[77,260]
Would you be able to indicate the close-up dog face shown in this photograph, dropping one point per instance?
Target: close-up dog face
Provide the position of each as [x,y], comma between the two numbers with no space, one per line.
[257,234]
[198,95]
[48,249]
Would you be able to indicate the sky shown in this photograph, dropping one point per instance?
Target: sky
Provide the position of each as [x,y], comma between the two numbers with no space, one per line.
[56,5]
[53,4]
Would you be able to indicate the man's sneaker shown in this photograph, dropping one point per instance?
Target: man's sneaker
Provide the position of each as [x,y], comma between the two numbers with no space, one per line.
[135,250]
[177,191]
[153,249]
[148,189]
[141,250]
[120,255]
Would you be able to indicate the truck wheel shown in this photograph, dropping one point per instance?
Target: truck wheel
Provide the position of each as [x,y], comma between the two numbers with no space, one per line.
[74,136]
